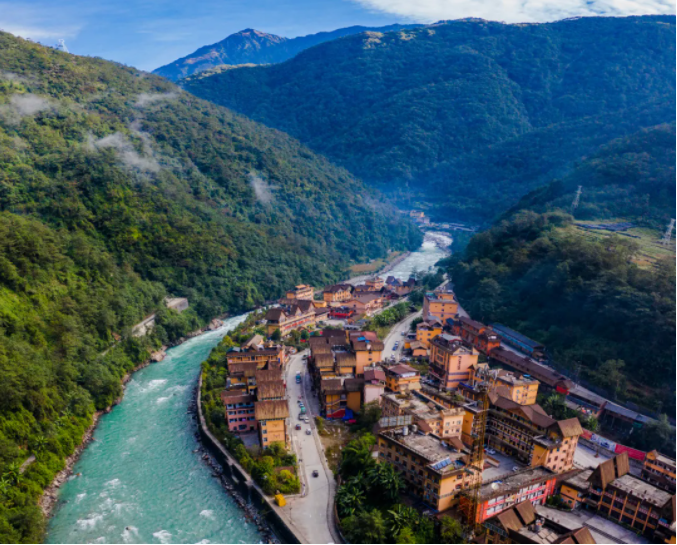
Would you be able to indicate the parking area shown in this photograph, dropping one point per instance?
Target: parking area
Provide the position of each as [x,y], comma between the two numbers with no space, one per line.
[506,465]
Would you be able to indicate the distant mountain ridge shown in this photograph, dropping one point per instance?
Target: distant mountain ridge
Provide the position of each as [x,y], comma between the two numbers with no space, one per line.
[467,116]
[251,46]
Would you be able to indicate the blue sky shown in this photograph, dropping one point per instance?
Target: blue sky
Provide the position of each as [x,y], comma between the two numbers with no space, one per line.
[150,33]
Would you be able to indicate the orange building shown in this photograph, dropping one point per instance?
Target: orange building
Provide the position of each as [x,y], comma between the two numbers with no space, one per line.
[427,331]
[430,416]
[265,358]
[402,378]
[367,349]
[375,284]
[521,389]
[439,305]
[451,360]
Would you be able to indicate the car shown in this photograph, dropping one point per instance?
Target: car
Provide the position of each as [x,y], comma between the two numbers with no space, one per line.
[404,333]
[515,468]
[316,473]
[308,432]
[306,420]
[297,427]
[301,416]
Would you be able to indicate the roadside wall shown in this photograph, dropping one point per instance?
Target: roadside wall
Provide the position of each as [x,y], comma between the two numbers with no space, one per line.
[275,516]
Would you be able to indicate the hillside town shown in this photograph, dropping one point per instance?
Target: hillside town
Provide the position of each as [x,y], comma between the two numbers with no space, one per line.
[457,418]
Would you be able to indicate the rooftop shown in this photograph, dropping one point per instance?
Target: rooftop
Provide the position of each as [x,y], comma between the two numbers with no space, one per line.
[506,331]
[402,370]
[271,410]
[515,481]
[643,490]
[579,480]
[602,530]
[440,457]
[270,390]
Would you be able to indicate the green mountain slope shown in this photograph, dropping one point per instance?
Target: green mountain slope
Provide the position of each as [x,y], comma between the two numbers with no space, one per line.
[451,107]
[116,190]
[594,298]
[251,46]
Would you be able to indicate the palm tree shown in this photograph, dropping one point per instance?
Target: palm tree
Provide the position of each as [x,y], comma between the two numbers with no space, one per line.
[13,473]
[401,517]
[385,481]
[350,498]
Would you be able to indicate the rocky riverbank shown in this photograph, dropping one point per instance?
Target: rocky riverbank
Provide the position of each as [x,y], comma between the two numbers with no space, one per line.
[50,496]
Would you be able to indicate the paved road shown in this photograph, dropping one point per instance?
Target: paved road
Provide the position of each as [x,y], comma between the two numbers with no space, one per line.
[395,335]
[311,512]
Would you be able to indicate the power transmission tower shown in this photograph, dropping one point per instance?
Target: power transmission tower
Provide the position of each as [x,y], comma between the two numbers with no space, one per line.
[577,198]
[667,237]
[62,45]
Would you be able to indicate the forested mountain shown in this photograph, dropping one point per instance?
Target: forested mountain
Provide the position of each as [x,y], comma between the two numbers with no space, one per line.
[587,295]
[116,190]
[251,46]
[478,111]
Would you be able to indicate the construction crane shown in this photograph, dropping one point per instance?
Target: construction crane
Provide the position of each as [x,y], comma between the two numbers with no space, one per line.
[470,502]
[577,198]
[667,237]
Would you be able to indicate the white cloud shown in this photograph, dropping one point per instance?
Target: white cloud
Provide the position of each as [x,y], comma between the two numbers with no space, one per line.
[20,106]
[261,188]
[515,11]
[125,151]
[146,99]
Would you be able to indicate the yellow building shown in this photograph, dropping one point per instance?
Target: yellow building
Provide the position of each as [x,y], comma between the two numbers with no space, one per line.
[555,450]
[451,360]
[265,358]
[520,388]
[574,489]
[402,378]
[367,350]
[432,471]
[427,331]
[338,293]
[659,470]
[271,417]
[302,292]
[439,305]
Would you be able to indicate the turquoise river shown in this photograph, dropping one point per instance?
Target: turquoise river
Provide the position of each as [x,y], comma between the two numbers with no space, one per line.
[140,479]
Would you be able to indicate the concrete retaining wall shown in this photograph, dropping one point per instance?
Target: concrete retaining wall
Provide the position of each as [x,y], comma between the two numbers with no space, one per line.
[275,516]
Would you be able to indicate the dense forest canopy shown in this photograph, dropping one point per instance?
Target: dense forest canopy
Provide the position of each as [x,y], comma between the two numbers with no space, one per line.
[589,297]
[480,112]
[118,189]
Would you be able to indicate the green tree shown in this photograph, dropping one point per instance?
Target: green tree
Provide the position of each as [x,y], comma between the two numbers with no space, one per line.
[451,530]
[277,335]
[406,535]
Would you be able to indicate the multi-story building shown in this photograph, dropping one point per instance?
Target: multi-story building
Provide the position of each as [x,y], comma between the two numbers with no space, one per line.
[291,317]
[621,497]
[427,331]
[450,361]
[429,415]
[367,349]
[264,357]
[659,470]
[374,384]
[337,294]
[434,471]
[527,433]
[402,378]
[398,287]
[545,375]
[239,411]
[302,292]
[474,333]
[365,302]
[242,376]
[270,390]
[520,388]
[574,488]
[272,419]
[439,305]
[522,524]
[535,485]
[375,284]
